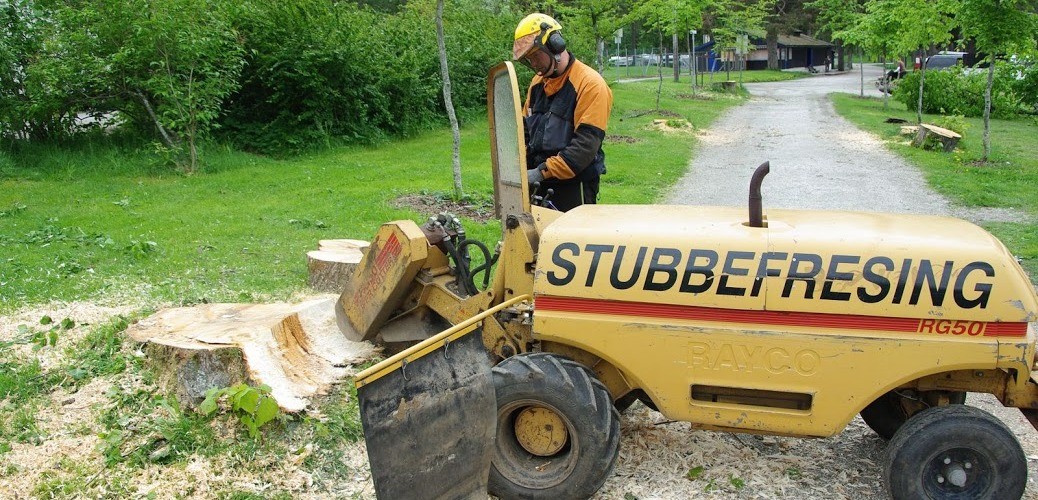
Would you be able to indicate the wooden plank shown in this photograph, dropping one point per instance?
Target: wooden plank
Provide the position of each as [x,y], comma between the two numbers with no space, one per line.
[941,131]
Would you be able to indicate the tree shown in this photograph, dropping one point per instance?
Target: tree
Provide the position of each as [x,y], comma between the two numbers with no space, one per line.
[669,16]
[998,27]
[840,17]
[916,26]
[162,67]
[592,20]
[196,63]
[735,18]
[783,16]
[448,103]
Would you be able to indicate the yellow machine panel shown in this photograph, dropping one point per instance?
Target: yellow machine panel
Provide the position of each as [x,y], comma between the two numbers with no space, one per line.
[771,329]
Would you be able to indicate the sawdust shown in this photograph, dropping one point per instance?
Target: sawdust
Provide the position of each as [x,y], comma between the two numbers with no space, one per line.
[673,126]
[655,460]
[84,314]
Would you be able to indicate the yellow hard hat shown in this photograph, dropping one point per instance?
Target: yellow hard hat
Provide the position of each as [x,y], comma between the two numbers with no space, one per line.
[538,31]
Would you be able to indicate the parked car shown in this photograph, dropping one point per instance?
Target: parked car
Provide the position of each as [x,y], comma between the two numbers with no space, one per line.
[620,61]
[942,60]
[648,59]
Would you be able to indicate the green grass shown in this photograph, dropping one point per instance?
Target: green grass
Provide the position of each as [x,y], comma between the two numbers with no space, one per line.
[1008,180]
[623,73]
[105,221]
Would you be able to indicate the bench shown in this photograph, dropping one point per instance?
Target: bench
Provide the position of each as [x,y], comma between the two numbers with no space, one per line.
[948,138]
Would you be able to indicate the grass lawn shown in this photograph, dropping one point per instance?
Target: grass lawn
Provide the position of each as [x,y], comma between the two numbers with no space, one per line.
[1007,181]
[705,79]
[97,221]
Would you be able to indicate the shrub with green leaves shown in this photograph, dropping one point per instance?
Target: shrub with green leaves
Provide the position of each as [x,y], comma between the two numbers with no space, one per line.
[1024,77]
[956,92]
[253,405]
[318,71]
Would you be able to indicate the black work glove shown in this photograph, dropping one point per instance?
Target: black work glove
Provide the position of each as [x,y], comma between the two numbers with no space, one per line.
[535,175]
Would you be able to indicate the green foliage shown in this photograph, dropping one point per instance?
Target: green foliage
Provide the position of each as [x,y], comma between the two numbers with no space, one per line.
[1023,77]
[22,380]
[140,427]
[955,123]
[98,353]
[165,65]
[955,92]
[318,72]
[695,472]
[253,405]
[40,338]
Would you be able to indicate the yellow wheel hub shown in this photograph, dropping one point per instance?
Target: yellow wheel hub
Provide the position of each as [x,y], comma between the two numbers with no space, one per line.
[540,431]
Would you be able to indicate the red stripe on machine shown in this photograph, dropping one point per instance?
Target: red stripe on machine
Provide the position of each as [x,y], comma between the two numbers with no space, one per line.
[813,320]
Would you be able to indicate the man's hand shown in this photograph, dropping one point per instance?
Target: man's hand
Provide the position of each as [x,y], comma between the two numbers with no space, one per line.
[535,175]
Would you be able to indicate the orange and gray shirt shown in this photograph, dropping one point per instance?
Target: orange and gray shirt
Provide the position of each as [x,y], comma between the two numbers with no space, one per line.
[565,119]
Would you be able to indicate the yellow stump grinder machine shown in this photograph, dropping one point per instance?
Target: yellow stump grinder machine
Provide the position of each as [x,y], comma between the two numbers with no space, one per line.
[789,323]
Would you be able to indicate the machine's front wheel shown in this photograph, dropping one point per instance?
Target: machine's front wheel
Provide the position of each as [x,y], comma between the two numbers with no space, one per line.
[890,411]
[558,434]
[955,451]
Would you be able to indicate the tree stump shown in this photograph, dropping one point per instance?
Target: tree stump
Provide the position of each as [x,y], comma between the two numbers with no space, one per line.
[331,265]
[296,349]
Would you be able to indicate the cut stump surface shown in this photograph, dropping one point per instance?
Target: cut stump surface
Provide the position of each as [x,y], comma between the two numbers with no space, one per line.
[296,349]
[332,264]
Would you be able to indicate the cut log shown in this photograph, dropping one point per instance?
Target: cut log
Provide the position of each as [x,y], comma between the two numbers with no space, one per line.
[331,266]
[949,139]
[296,349]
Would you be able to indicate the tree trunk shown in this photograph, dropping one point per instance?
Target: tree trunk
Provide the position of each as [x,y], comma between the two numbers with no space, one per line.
[600,50]
[987,108]
[861,68]
[449,103]
[771,40]
[919,108]
[659,74]
[332,265]
[167,137]
[296,349]
[677,59]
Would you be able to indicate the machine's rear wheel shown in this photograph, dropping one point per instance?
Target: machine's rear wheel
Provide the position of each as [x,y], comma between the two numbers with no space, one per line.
[558,434]
[890,411]
[953,452]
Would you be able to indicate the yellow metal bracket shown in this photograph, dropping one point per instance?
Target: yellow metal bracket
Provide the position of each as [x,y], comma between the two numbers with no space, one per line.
[431,344]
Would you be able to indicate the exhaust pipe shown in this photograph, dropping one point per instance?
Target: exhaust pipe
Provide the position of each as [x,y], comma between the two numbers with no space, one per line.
[756,210]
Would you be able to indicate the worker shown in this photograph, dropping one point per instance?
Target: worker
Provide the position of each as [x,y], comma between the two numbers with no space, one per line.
[565,115]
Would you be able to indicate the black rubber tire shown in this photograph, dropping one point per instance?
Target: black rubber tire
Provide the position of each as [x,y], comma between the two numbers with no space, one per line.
[886,414]
[569,389]
[991,464]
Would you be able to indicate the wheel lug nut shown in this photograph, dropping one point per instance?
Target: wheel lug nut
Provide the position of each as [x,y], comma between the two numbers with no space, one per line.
[967,465]
[940,479]
[947,460]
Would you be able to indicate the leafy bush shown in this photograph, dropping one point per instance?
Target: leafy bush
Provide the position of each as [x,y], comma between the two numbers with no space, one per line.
[318,71]
[955,92]
[1024,78]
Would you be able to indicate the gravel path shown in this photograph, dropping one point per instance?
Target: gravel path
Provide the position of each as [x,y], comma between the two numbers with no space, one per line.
[818,161]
